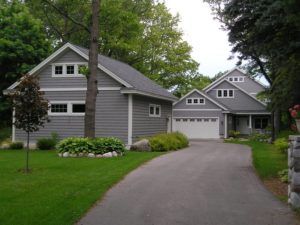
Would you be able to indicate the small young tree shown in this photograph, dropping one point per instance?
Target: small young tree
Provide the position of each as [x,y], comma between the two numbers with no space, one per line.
[31,109]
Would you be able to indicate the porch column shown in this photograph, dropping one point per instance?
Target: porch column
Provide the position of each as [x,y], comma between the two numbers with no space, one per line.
[250,121]
[225,127]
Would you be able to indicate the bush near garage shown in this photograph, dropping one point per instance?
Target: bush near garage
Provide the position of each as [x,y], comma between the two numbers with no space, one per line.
[168,142]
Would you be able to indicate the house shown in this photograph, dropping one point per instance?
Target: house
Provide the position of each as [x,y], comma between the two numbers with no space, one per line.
[129,105]
[229,103]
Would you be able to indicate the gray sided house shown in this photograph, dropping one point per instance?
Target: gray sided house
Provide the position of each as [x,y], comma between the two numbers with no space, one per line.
[129,105]
[229,103]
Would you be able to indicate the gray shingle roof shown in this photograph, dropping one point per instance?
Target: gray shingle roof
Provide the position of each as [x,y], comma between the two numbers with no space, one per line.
[130,75]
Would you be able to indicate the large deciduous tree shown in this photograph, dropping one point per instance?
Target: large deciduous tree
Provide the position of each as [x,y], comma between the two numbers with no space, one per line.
[23,44]
[30,108]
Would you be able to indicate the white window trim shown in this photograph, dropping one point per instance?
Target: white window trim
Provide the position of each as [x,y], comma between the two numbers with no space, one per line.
[69,108]
[155,115]
[195,103]
[222,93]
[64,65]
[238,79]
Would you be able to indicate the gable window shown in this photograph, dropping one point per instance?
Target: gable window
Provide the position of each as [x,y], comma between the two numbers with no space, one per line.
[78,108]
[260,123]
[58,70]
[154,110]
[67,70]
[70,69]
[241,79]
[236,79]
[225,93]
[230,79]
[195,101]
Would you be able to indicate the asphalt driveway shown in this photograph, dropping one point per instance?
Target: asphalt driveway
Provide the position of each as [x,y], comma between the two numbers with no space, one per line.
[210,183]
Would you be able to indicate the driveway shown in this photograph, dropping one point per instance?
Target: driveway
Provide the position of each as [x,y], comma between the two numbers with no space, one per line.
[210,183]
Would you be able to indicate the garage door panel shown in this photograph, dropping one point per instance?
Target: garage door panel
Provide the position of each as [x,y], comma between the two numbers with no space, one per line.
[197,127]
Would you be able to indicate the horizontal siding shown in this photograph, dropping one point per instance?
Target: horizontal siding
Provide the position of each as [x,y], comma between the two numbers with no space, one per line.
[111,117]
[47,81]
[143,125]
[208,104]
[188,114]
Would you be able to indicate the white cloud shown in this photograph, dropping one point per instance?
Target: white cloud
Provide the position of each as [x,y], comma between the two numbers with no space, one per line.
[210,44]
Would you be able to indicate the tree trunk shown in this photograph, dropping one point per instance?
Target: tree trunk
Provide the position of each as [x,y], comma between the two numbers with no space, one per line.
[27,154]
[91,94]
[272,126]
[277,115]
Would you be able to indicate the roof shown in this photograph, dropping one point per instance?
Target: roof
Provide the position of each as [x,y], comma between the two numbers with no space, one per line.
[136,79]
[205,95]
[132,79]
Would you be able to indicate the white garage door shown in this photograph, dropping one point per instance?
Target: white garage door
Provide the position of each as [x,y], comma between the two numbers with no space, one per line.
[197,127]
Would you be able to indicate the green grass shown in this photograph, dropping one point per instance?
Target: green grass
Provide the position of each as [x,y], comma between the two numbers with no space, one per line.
[59,190]
[266,160]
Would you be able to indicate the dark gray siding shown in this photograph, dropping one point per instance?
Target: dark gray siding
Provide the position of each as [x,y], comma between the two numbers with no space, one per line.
[241,100]
[208,104]
[189,114]
[69,56]
[143,125]
[111,117]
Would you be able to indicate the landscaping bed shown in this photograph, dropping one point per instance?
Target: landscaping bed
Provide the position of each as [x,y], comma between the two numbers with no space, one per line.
[58,190]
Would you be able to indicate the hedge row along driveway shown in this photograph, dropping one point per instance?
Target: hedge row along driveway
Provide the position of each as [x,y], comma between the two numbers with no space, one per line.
[59,190]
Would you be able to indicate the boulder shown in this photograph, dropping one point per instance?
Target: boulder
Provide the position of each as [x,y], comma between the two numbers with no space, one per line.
[295,200]
[81,154]
[60,154]
[99,156]
[114,153]
[107,155]
[91,155]
[66,154]
[142,145]
[73,155]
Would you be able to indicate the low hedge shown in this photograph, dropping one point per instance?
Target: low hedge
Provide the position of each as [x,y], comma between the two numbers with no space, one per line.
[168,142]
[16,145]
[47,143]
[101,145]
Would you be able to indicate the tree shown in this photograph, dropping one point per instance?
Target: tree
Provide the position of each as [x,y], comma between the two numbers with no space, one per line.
[23,44]
[143,34]
[30,108]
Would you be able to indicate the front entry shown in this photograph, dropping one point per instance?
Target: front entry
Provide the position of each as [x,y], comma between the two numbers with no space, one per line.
[242,125]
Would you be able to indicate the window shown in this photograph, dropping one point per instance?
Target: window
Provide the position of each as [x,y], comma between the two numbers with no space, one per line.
[225,93]
[177,120]
[236,79]
[241,79]
[58,70]
[154,110]
[230,79]
[70,69]
[185,120]
[72,108]
[78,108]
[199,120]
[80,68]
[59,108]
[260,123]
[195,101]
[206,120]
[213,120]
[192,120]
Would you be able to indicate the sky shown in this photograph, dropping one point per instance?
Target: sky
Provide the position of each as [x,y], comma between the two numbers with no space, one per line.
[210,44]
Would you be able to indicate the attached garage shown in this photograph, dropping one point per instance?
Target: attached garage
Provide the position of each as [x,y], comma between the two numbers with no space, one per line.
[202,127]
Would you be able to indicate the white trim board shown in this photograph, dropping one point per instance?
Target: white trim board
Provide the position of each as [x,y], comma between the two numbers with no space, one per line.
[203,94]
[147,94]
[253,113]
[130,116]
[197,109]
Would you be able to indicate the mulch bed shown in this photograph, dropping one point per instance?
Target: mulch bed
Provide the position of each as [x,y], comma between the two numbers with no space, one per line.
[276,186]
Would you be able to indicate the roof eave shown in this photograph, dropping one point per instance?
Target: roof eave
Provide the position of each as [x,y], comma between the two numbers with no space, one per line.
[138,92]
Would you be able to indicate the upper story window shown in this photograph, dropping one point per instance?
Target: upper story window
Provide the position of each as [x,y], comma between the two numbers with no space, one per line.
[225,93]
[154,110]
[236,79]
[195,101]
[74,108]
[67,70]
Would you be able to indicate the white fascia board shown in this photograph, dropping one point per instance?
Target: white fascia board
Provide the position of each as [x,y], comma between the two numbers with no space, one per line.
[203,94]
[60,50]
[253,113]
[80,89]
[147,94]
[130,120]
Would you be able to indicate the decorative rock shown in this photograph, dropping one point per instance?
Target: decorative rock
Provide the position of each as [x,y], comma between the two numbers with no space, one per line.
[91,155]
[114,153]
[66,154]
[81,154]
[73,155]
[99,156]
[108,155]
[60,154]
[142,145]
[295,200]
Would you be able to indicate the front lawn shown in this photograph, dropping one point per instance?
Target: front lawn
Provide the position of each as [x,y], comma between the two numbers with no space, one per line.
[59,190]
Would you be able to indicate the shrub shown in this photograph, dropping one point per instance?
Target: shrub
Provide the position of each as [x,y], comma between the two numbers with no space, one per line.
[284,175]
[259,137]
[281,144]
[47,143]
[75,145]
[16,145]
[108,144]
[168,142]
[99,145]
[234,134]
